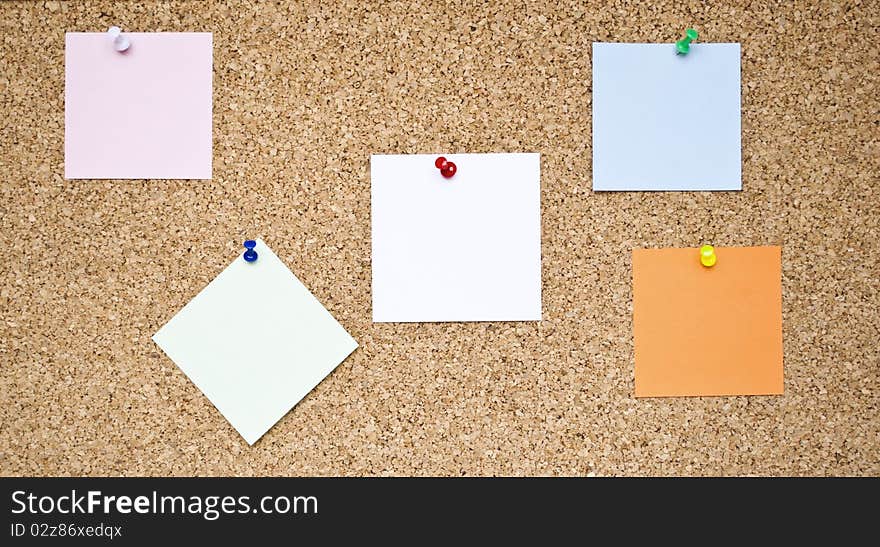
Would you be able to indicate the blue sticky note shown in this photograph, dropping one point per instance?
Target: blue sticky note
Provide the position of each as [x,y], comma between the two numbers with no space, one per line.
[663,121]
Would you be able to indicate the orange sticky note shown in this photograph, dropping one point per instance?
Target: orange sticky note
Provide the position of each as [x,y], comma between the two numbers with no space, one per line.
[708,331]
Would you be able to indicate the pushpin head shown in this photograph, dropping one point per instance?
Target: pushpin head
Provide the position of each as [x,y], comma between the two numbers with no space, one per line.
[447,168]
[250,255]
[120,43]
[707,256]
[683,46]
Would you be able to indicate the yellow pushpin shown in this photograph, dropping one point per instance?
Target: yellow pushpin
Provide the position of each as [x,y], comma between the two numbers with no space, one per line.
[707,256]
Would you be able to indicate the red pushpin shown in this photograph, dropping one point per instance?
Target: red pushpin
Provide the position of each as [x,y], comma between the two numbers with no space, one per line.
[447,168]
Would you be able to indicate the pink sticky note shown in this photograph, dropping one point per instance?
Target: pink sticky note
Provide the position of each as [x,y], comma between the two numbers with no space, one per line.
[141,114]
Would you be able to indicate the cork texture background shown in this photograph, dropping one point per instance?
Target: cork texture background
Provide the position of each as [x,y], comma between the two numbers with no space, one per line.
[303,93]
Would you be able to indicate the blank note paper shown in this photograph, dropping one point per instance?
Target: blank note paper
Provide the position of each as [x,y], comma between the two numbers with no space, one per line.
[466,248]
[708,331]
[141,114]
[255,342]
[663,121]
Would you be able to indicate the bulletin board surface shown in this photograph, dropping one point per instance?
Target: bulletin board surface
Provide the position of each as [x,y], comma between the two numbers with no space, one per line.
[304,92]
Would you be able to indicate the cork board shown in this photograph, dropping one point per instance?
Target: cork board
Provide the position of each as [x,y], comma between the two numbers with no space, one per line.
[303,93]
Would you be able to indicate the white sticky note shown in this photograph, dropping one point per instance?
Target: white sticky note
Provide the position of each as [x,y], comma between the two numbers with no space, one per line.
[255,341]
[663,121]
[466,248]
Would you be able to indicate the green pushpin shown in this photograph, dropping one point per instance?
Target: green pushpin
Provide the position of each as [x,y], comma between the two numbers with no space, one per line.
[684,45]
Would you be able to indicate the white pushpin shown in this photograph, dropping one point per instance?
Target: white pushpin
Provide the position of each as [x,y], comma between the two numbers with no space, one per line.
[120,42]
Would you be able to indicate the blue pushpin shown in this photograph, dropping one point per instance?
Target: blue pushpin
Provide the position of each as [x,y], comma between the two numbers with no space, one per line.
[250,255]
